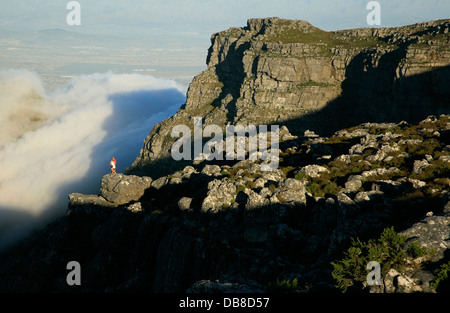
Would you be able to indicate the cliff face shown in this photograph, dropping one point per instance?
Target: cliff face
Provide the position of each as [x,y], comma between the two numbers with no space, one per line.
[292,73]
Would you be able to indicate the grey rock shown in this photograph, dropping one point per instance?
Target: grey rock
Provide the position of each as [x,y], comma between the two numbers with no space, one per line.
[314,170]
[432,232]
[420,165]
[344,199]
[160,182]
[344,158]
[135,207]
[310,134]
[389,280]
[290,191]
[184,203]
[211,170]
[417,184]
[364,196]
[354,183]
[255,201]
[260,182]
[78,200]
[285,135]
[379,171]
[120,188]
[220,195]
[386,186]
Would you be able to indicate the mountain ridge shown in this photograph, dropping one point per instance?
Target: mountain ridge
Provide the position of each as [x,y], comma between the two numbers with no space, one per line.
[276,71]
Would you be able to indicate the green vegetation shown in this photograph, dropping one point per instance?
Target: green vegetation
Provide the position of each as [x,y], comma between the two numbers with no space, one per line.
[283,286]
[441,281]
[325,40]
[388,250]
[301,175]
[290,35]
[311,83]
[287,169]
[321,187]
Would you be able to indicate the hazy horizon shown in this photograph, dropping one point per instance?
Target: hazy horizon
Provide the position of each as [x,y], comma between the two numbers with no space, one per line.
[166,39]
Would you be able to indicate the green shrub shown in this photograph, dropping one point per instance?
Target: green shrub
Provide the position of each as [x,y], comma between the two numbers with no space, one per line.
[286,170]
[250,185]
[315,190]
[388,250]
[283,286]
[300,175]
[425,147]
[415,251]
[225,173]
[331,188]
[240,188]
[225,206]
[441,282]
[272,187]
[437,168]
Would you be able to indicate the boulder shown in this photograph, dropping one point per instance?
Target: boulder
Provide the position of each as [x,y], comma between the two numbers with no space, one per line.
[314,170]
[211,170]
[121,189]
[184,203]
[432,232]
[135,207]
[160,182]
[290,191]
[354,182]
[420,165]
[365,196]
[255,201]
[220,195]
[79,200]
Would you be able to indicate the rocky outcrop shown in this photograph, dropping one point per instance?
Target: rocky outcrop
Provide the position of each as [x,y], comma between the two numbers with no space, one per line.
[285,72]
[120,188]
[116,189]
[230,227]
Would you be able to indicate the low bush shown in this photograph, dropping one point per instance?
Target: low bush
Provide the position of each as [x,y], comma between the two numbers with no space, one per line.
[388,250]
[441,282]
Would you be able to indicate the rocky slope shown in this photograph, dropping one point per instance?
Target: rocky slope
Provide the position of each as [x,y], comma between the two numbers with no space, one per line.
[227,226]
[357,155]
[292,73]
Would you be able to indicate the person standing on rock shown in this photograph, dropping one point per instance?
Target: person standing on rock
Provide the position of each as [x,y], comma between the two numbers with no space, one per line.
[113,165]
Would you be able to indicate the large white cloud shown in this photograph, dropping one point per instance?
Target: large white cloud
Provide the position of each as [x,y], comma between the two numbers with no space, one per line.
[94,118]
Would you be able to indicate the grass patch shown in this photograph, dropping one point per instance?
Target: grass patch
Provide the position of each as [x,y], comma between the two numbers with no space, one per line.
[312,83]
[283,286]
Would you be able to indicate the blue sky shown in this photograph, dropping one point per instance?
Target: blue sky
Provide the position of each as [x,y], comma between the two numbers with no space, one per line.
[208,16]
